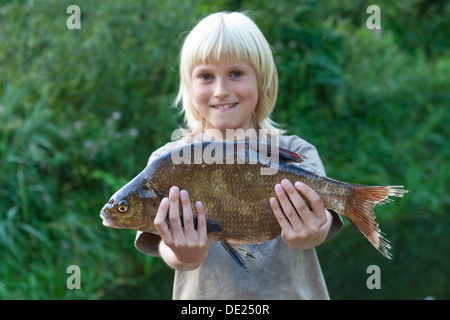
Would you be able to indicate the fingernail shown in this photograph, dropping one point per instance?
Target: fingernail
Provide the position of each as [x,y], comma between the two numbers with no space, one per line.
[298,184]
[278,188]
[183,194]
[285,183]
[165,201]
[199,204]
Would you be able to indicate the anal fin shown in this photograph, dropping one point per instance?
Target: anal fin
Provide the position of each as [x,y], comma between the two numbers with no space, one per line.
[238,252]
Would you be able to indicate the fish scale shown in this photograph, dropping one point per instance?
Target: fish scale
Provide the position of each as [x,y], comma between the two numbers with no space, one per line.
[226,177]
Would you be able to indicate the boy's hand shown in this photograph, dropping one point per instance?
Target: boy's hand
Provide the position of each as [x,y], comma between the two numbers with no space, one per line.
[301,227]
[182,246]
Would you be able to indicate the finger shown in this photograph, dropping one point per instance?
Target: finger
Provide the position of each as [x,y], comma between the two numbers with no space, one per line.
[298,203]
[201,221]
[188,223]
[286,205]
[174,213]
[282,220]
[160,220]
[317,205]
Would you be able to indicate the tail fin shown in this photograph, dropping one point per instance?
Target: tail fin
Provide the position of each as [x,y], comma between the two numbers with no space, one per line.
[363,216]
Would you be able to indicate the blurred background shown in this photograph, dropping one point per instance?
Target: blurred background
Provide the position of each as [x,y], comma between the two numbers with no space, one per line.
[82,110]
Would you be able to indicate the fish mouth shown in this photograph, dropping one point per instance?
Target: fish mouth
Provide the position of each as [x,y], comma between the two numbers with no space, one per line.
[108,222]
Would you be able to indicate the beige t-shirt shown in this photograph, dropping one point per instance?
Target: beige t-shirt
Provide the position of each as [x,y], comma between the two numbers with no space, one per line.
[278,270]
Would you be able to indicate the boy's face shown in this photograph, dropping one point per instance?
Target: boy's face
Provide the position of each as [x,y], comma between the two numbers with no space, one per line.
[226,94]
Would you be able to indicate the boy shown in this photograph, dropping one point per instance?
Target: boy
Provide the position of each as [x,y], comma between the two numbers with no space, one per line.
[229,83]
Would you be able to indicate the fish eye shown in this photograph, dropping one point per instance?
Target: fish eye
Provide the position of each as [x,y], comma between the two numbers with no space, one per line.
[123,206]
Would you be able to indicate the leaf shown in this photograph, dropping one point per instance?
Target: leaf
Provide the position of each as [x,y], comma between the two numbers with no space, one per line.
[36,233]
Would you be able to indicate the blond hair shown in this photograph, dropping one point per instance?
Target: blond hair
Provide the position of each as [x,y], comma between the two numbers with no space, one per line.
[232,37]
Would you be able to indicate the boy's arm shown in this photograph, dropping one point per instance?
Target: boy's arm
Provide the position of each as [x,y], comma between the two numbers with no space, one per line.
[174,262]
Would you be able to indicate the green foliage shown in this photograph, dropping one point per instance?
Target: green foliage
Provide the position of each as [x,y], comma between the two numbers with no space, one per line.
[81,111]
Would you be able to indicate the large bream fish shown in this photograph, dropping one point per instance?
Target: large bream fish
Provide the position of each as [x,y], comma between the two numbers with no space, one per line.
[227,177]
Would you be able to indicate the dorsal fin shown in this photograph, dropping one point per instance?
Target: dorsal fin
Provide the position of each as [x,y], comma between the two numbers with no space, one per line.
[285,155]
[290,156]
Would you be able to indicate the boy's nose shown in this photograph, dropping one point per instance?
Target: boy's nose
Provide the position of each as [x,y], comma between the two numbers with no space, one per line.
[221,89]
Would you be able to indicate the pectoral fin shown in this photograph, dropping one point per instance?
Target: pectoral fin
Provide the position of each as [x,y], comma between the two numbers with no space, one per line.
[238,252]
[211,226]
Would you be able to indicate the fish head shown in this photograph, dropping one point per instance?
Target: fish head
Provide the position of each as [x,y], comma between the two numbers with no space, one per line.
[132,207]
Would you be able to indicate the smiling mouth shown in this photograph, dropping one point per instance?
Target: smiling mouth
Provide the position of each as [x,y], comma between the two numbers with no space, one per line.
[225,106]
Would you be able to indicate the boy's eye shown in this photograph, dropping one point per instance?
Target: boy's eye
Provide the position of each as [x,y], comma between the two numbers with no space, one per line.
[236,74]
[205,77]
